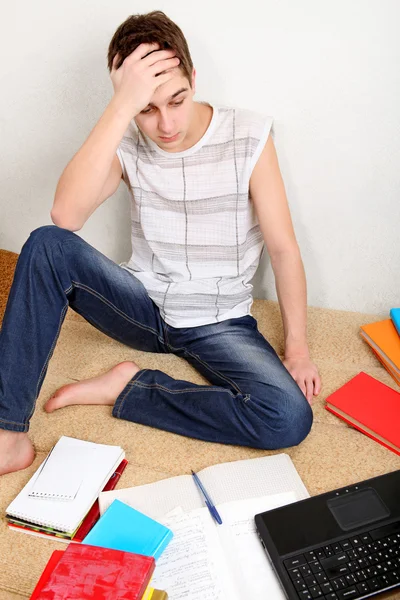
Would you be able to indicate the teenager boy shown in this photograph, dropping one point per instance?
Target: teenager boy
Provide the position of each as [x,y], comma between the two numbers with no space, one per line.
[206,194]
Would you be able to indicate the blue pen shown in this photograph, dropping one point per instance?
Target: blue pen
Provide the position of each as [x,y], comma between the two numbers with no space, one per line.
[209,503]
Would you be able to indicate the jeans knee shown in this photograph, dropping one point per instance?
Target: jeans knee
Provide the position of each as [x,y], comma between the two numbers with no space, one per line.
[293,418]
[48,234]
[300,420]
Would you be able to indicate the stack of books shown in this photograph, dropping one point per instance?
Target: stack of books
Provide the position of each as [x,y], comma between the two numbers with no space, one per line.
[116,560]
[384,339]
[113,555]
[61,498]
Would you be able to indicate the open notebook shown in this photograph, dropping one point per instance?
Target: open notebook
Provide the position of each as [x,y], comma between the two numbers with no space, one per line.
[224,562]
[237,480]
[63,489]
[209,561]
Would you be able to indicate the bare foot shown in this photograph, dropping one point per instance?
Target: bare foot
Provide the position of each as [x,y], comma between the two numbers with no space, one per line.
[16,451]
[103,389]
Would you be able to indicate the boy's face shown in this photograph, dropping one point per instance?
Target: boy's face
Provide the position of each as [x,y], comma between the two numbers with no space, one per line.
[167,118]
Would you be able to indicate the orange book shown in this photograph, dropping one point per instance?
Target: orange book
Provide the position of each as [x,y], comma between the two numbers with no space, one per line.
[385,342]
[371,407]
[387,367]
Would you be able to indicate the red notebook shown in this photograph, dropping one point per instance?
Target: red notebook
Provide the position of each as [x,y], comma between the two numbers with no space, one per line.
[370,406]
[85,572]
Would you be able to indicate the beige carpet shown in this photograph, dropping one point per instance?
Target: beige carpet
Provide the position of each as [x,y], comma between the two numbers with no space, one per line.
[333,454]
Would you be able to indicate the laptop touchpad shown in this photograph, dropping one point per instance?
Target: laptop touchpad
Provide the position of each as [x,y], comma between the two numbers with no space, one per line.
[358,508]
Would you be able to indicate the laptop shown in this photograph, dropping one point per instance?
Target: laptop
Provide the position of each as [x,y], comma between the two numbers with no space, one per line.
[342,545]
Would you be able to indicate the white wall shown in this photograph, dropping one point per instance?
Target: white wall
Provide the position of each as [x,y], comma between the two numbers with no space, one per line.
[327,71]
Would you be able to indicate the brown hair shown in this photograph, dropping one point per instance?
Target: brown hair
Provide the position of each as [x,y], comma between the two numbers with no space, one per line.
[151,27]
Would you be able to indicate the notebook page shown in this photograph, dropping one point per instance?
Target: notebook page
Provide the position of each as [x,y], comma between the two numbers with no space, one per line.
[248,562]
[63,471]
[236,480]
[156,499]
[193,567]
[66,516]
[252,478]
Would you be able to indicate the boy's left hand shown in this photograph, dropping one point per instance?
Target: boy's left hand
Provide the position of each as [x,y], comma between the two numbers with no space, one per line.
[306,375]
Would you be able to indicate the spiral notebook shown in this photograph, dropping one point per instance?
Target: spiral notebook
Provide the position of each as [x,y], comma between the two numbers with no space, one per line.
[63,489]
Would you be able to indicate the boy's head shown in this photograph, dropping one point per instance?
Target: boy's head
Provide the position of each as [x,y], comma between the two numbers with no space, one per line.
[166,117]
[151,27]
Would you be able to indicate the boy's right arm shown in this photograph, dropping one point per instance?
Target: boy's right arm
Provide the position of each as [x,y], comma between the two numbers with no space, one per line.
[94,173]
[93,169]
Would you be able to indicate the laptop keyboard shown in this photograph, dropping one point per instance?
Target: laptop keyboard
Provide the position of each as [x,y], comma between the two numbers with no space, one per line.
[353,568]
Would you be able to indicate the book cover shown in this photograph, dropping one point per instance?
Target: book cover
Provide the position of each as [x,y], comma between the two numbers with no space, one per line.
[383,338]
[124,528]
[53,560]
[87,572]
[395,316]
[77,537]
[150,592]
[371,407]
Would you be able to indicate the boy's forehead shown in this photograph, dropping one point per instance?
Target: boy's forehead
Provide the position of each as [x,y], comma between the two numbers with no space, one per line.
[166,92]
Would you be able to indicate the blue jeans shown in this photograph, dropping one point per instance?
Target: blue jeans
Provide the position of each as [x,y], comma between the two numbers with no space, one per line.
[252,400]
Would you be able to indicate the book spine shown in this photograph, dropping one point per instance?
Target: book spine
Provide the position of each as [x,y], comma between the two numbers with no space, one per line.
[362,430]
[94,514]
[163,544]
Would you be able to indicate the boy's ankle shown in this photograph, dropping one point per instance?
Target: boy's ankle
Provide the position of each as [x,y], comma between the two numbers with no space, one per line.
[16,451]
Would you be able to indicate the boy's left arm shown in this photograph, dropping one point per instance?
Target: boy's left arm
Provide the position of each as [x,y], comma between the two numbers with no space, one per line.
[268,194]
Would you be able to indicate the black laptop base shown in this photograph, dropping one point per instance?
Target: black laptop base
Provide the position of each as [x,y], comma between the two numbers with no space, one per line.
[342,545]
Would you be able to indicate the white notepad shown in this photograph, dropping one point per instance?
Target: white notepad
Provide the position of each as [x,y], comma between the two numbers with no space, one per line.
[67,483]
[55,484]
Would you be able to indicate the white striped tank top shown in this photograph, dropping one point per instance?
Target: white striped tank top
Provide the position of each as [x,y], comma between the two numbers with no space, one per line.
[196,241]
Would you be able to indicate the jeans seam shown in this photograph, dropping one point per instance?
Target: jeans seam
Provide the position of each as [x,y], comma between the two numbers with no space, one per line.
[129,388]
[64,310]
[117,310]
[232,383]
[183,391]
[196,357]
[12,422]
[164,326]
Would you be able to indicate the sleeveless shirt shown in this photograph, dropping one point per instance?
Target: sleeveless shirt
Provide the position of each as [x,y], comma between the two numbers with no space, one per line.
[196,240]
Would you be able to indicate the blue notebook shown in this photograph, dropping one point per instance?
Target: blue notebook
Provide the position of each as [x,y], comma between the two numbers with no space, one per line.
[395,316]
[124,528]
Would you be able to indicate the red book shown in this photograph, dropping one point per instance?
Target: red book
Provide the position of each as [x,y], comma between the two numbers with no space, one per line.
[370,406]
[94,513]
[93,573]
[53,560]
